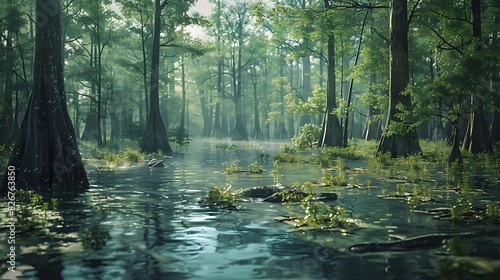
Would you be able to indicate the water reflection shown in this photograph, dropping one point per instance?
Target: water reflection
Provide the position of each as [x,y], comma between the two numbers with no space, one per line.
[145,223]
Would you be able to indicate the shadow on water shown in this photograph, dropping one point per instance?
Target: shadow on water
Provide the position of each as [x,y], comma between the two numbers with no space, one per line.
[145,223]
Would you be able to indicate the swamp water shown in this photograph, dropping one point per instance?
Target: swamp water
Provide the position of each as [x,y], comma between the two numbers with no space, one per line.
[146,223]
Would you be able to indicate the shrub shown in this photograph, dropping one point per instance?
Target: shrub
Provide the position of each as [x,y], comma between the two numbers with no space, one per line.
[255,167]
[308,136]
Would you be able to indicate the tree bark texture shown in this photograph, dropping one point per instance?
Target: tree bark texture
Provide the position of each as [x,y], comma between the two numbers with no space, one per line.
[7,124]
[477,138]
[398,144]
[155,136]
[46,154]
[332,132]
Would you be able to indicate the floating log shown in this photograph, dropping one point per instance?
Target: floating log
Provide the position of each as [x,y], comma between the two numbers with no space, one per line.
[418,242]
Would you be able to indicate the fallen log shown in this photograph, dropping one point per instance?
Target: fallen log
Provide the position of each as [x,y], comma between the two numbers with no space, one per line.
[418,242]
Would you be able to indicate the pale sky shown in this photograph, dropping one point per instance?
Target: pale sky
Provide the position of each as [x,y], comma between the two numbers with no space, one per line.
[204,7]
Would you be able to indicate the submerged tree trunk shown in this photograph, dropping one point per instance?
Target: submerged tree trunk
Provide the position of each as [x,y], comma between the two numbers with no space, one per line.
[45,154]
[398,144]
[155,137]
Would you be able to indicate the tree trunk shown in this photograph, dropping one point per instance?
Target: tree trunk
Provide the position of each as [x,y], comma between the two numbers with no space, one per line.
[183,87]
[477,138]
[351,84]
[205,110]
[332,132]
[456,155]
[306,84]
[155,137]
[7,124]
[45,154]
[240,130]
[257,132]
[398,144]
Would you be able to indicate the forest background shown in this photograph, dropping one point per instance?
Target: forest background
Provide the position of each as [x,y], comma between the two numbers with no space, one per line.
[391,71]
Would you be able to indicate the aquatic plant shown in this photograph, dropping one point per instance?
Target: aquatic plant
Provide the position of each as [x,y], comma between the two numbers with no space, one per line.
[493,211]
[277,171]
[33,210]
[219,196]
[379,164]
[255,167]
[287,154]
[123,157]
[323,217]
[131,155]
[411,168]
[297,193]
[233,167]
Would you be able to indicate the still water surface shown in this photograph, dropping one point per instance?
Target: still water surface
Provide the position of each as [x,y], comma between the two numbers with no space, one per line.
[146,223]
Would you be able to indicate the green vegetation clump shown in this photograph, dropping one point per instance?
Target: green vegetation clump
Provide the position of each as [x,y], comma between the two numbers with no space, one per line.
[410,168]
[297,193]
[232,168]
[330,180]
[307,137]
[131,155]
[321,216]
[179,136]
[287,154]
[219,196]
[255,167]
[277,171]
[125,157]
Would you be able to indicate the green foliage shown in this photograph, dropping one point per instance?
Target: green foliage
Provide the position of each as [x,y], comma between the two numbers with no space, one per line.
[233,167]
[410,168]
[493,210]
[124,157]
[380,163]
[461,76]
[277,171]
[287,154]
[255,167]
[179,136]
[219,196]
[308,136]
[132,155]
[315,103]
[321,216]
